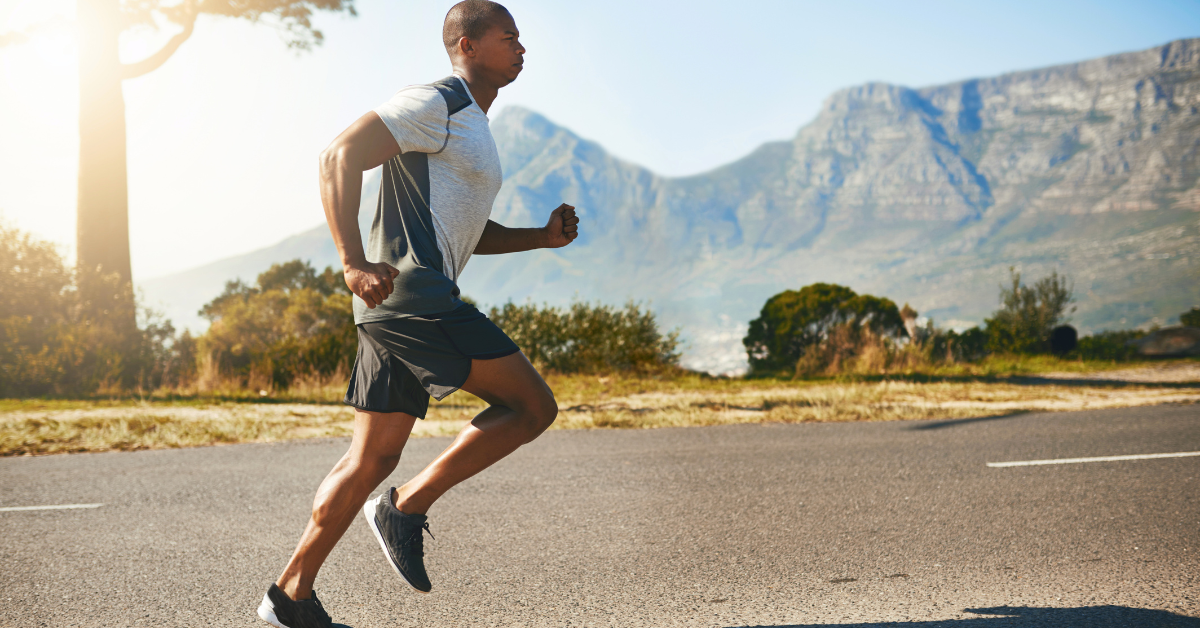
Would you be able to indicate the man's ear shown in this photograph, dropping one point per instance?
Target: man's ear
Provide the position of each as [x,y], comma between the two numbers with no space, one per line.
[466,47]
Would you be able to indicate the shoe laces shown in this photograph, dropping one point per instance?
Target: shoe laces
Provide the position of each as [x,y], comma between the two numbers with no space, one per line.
[416,540]
[319,608]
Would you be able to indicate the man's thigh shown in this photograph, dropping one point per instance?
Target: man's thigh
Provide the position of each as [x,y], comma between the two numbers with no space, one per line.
[510,381]
[381,433]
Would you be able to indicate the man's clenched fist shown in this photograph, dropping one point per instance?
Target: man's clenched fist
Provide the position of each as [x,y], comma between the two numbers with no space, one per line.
[371,281]
[563,227]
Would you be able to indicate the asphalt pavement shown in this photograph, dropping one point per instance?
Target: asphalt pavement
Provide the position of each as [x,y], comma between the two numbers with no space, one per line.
[851,524]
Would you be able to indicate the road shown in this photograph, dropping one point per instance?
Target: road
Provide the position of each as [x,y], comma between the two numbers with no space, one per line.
[851,524]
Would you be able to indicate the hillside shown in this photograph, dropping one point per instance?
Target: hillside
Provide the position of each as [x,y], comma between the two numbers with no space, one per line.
[923,195]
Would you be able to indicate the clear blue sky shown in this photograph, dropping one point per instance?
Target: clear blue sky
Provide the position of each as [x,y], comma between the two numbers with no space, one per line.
[224,137]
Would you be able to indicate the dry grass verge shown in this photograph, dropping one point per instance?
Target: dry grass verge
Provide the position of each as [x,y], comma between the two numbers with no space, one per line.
[885,401]
[43,427]
[164,426]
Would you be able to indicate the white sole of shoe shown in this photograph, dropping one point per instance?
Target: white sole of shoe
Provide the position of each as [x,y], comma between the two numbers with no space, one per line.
[266,612]
[369,513]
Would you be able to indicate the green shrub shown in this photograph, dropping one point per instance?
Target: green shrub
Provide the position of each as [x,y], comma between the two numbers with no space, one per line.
[794,320]
[1029,313]
[586,338]
[292,323]
[1190,318]
[971,344]
[1108,345]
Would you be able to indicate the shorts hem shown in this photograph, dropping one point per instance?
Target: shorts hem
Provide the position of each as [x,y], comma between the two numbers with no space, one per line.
[366,409]
[495,356]
[451,392]
[485,356]
[380,318]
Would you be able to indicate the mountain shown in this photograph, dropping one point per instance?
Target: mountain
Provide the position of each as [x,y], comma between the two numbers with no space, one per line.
[925,195]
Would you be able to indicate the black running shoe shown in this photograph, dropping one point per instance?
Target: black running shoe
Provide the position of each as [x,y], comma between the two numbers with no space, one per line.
[281,611]
[402,537]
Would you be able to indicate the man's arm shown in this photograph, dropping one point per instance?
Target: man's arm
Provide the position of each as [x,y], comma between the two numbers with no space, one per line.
[560,231]
[365,145]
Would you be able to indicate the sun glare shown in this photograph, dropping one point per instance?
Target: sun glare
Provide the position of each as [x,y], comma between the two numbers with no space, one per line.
[39,109]
[43,60]
[24,15]
[55,47]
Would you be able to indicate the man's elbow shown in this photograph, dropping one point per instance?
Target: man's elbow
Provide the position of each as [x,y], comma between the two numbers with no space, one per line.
[333,158]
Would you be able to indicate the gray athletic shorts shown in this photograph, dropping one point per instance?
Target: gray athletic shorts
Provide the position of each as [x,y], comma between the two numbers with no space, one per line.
[402,361]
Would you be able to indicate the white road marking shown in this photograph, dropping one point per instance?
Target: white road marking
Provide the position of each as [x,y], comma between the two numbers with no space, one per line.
[1032,463]
[58,507]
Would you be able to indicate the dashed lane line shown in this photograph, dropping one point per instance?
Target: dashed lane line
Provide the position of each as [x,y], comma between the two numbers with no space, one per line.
[56,507]
[1034,463]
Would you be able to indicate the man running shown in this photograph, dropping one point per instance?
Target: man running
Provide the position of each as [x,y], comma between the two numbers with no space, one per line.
[417,338]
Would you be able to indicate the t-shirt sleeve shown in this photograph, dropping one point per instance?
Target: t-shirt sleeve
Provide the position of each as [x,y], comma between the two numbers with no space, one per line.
[417,118]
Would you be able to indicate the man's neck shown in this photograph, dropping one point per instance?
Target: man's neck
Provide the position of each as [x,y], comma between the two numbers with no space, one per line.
[483,93]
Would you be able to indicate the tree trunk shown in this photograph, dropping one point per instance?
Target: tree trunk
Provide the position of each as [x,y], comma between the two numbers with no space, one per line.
[103,202]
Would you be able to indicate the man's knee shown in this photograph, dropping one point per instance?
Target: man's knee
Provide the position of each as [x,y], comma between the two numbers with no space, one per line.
[540,414]
[378,465]
[374,467]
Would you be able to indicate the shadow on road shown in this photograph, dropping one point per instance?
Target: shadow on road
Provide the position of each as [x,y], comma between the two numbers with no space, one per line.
[1020,380]
[1024,617]
[1033,380]
[937,425]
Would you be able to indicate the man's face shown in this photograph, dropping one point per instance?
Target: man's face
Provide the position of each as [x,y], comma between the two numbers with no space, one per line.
[500,52]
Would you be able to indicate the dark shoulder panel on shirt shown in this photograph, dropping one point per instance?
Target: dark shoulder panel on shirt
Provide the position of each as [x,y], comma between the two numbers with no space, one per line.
[455,93]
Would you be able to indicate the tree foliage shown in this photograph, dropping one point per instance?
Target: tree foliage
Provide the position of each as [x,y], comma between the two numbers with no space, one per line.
[292,322]
[794,320]
[55,340]
[586,338]
[292,18]
[1028,314]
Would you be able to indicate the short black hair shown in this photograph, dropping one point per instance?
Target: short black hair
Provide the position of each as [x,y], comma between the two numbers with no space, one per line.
[470,19]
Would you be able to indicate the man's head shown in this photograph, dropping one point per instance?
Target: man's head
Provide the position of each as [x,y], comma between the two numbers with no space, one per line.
[482,36]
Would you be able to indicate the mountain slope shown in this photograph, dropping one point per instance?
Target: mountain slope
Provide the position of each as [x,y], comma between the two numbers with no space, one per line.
[923,195]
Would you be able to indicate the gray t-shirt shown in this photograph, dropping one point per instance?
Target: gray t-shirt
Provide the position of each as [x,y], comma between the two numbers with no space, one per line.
[435,197]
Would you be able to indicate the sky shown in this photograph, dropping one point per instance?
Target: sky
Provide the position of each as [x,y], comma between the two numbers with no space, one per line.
[224,138]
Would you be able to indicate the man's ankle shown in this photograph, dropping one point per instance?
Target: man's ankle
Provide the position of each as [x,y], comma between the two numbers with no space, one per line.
[407,505]
[295,591]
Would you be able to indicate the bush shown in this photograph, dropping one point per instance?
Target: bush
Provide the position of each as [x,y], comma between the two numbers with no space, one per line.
[1108,345]
[947,345]
[792,322]
[292,323]
[1063,340]
[970,345]
[855,349]
[586,338]
[1190,318]
[847,348]
[57,340]
[1029,314]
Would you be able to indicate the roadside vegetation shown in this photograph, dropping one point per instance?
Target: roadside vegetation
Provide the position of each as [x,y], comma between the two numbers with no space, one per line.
[825,330]
[42,426]
[76,376]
